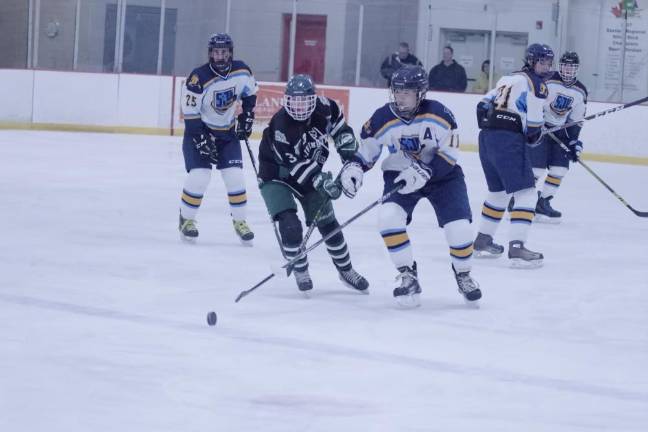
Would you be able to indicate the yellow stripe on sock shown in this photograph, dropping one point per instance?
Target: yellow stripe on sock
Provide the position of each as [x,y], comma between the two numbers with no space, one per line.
[191,200]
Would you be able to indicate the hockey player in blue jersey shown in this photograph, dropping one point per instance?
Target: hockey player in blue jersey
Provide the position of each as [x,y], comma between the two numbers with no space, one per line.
[422,142]
[511,118]
[209,101]
[566,103]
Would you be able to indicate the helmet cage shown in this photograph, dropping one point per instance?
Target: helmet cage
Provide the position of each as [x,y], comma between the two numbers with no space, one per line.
[568,72]
[299,107]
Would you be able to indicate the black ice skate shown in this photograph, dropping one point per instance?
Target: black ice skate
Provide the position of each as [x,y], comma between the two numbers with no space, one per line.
[304,281]
[468,287]
[188,229]
[484,247]
[522,257]
[545,213]
[244,232]
[353,279]
[408,293]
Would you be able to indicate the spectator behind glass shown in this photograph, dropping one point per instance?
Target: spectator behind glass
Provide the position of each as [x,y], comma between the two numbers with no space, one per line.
[481,85]
[448,75]
[396,60]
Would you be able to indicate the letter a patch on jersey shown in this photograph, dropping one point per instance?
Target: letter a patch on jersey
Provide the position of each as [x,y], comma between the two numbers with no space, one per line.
[223,99]
[428,134]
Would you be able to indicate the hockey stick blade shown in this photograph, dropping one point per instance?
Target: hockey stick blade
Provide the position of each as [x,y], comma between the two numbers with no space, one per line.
[291,264]
[596,176]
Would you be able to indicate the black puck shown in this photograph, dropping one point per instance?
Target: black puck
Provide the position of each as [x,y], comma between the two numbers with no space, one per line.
[212,318]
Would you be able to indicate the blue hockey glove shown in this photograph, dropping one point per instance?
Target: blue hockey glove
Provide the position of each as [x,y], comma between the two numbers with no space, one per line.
[575,150]
[244,124]
[206,146]
[325,184]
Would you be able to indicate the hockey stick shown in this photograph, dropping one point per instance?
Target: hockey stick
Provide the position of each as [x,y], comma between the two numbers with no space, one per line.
[256,172]
[290,264]
[589,170]
[595,115]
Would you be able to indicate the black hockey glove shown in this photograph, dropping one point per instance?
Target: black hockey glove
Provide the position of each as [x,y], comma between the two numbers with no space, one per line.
[244,124]
[575,150]
[206,146]
[325,184]
[346,145]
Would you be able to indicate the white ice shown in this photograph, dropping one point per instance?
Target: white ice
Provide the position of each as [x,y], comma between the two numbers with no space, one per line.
[102,309]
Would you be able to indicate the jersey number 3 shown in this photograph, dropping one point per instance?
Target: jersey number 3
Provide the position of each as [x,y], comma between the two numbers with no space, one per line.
[501,100]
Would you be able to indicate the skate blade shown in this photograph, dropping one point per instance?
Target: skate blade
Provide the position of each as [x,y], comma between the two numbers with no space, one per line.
[519,263]
[348,285]
[486,255]
[247,243]
[306,294]
[408,301]
[474,304]
[188,240]
[546,219]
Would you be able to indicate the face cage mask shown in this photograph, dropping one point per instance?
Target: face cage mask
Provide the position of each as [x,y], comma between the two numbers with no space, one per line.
[406,111]
[299,107]
[568,72]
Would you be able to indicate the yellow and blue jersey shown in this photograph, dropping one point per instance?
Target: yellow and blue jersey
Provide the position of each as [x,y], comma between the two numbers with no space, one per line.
[521,93]
[211,98]
[429,138]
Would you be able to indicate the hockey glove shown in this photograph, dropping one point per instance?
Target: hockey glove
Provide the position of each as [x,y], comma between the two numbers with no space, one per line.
[244,124]
[415,177]
[206,146]
[351,178]
[325,184]
[346,145]
[575,150]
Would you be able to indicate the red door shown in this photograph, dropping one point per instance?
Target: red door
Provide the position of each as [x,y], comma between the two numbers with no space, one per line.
[310,46]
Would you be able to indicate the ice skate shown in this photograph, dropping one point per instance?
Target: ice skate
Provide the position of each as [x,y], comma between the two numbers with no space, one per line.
[304,282]
[407,295]
[468,287]
[354,280]
[521,257]
[484,247]
[545,213]
[188,229]
[243,231]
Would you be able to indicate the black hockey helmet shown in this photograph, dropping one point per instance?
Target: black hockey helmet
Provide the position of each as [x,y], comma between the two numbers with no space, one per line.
[221,40]
[568,67]
[537,52]
[300,98]
[408,87]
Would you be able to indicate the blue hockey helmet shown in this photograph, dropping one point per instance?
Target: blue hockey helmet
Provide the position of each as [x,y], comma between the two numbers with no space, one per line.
[568,66]
[408,87]
[300,98]
[537,52]
[220,40]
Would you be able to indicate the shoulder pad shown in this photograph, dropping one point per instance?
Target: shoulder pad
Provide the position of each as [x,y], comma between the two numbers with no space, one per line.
[238,65]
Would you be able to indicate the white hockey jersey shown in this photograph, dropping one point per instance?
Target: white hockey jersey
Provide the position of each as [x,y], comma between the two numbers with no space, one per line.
[565,103]
[430,138]
[212,98]
[521,93]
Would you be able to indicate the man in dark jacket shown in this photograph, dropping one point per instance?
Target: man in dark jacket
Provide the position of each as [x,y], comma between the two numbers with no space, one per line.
[448,75]
[396,60]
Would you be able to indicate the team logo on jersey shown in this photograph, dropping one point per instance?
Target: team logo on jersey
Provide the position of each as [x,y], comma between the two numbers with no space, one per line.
[410,144]
[562,103]
[543,90]
[193,80]
[223,99]
[280,137]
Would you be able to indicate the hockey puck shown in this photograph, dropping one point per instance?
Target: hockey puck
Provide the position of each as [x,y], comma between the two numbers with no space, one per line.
[212,318]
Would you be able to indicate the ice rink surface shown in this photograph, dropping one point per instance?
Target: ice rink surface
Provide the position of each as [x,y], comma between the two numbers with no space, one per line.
[103,309]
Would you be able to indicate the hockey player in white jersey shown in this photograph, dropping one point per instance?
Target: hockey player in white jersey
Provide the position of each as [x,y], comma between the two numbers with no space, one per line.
[511,116]
[422,142]
[209,101]
[566,103]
